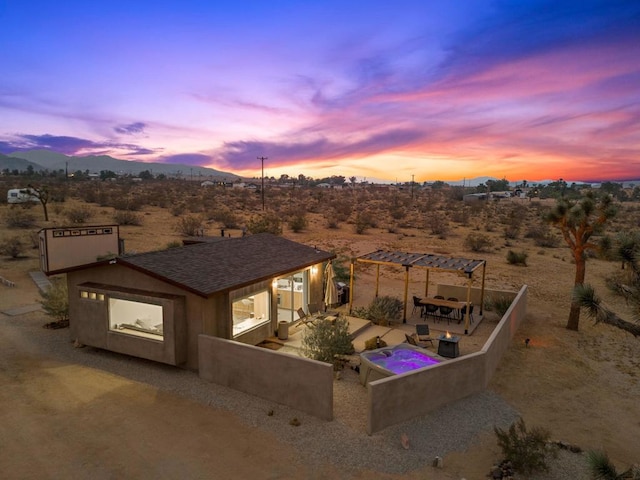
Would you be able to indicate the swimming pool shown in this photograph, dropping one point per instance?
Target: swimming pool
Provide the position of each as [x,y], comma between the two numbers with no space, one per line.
[387,361]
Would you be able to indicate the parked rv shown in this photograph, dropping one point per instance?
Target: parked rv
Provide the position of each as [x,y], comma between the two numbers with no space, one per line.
[21,195]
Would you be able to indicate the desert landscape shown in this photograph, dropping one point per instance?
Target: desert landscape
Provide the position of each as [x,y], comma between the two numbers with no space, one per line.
[60,417]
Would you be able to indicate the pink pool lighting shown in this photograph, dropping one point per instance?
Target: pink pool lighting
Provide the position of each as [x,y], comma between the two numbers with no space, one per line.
[403,358]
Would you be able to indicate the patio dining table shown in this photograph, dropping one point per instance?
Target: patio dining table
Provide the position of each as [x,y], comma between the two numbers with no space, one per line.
[457,306]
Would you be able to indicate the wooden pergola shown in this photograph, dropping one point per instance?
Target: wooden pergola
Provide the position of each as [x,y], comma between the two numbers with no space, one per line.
[460,266]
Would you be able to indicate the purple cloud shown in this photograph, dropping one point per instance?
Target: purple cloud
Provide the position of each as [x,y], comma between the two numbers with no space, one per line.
[131,128]
[243,154]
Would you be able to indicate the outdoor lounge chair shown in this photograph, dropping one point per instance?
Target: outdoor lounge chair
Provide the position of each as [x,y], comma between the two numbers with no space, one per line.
[422,331]
[413,340]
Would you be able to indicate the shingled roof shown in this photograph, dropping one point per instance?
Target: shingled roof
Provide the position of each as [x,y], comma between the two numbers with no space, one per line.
[208,268]
[424,260]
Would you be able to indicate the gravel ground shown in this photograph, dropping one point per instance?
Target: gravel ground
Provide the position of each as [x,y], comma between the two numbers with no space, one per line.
[342,442]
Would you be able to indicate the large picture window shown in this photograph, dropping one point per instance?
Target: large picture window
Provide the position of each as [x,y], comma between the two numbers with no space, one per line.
[251,311]
[136,318]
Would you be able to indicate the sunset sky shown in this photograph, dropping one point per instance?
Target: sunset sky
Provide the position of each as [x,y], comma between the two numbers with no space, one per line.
[434,89]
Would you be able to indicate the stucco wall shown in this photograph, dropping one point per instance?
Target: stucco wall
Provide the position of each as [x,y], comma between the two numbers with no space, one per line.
[301,383]
[399,398]
[500,339]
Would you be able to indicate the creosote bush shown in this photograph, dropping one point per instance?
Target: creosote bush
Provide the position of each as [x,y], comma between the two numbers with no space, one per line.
[527,450]
[477,242]
[499,304]
[265,223]
[12,247]
[127,217]
[19,218]
[325,340]
[517,258]
[298,223]
[81,214]
[381,310]
[189,225]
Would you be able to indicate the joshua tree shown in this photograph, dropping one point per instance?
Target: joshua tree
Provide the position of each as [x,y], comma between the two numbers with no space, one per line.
[625,284]
[586,297]
[578,221]
[42,194]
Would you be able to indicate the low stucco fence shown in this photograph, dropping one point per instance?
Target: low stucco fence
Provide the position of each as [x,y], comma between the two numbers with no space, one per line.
[307,385]
[399,398]
[300,383]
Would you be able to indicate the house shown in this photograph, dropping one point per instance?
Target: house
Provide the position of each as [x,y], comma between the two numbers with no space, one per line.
[155,305]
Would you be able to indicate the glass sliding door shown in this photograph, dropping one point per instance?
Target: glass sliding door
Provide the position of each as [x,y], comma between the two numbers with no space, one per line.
[293,294]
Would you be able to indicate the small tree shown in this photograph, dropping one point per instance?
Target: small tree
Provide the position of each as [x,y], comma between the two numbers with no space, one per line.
[578,221]
[42,194]
[325,340]
[55,303]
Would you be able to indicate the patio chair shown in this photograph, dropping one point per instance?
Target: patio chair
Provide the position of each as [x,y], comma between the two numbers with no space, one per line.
[456,311]
[463,312]
[417,305]
[413,340]
[432,310]
[422,331]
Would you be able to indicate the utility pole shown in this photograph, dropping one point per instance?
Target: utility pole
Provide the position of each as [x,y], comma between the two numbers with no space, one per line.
[262,159]
[412,187]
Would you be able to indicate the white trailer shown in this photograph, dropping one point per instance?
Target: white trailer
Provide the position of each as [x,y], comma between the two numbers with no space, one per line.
[21,195]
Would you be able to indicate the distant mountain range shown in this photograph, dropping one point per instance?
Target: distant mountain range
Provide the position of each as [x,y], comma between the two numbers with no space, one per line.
[47,160]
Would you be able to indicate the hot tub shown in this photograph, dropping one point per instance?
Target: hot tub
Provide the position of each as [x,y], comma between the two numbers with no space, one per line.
[387,361]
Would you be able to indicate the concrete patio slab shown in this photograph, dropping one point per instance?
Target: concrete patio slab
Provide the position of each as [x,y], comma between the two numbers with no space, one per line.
[12,312]
[371,332]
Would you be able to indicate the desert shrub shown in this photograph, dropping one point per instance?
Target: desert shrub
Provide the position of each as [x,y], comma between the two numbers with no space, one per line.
[298,222]
[265,223]
[382,310]
[542,236]
[325,339]
[80,214]
[55,303]
[477,242]
[332,221]
[438,224]
[19,218]
[189,225]
[362,223]
[517,258]
[127,217]
[178,209]
[527,450]
[173,244]
[511,231]
[12,247]
[226,217]
[499,304]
